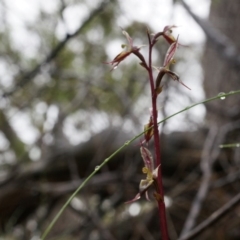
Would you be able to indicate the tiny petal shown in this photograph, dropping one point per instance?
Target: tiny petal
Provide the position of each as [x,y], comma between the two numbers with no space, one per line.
[170,53]
[147,158]
[168,28]
[129,39]
[160,75]
[175,77]
[137,197]
[119,58]
[166,33]
[146,195]
[148,130]
[144,185]
[169,38]
[155,172]
[184,84]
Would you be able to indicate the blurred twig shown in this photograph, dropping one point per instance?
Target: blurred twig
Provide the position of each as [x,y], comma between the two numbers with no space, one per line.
[217,215]
[224,46]
[55,51]
[230,178]
[210,154]
[206,167]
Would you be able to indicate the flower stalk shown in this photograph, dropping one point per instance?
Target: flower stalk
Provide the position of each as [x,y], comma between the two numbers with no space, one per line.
[152,165]
[159,195]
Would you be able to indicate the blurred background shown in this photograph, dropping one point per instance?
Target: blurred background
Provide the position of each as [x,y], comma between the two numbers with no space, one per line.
[62,112]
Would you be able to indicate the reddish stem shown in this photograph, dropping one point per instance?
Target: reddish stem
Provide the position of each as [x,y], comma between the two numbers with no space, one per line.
[160,200]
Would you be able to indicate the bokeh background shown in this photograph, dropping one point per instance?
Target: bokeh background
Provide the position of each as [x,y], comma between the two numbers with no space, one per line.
[62,112]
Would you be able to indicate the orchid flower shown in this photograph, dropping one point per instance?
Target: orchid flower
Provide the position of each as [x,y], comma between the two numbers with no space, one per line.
[129,48]
[167,34]
[169,59]
[148,130]
[148,169]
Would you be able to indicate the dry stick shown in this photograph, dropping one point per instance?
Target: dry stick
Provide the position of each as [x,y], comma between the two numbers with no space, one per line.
[230,178]
[55,51]
[143,231]
[104,232]
[207,161]
[216,216]
[206,168]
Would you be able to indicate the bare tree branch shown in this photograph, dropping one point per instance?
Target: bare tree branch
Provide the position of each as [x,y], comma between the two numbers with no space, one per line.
[55,51]
[224,46]
[210,154]
[230,178]
[96,220]
[67,187]
[206,168]
[216,216]
[15,142]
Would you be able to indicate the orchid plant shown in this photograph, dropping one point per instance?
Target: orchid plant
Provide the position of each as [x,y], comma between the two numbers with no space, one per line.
[152,165]
[152,174]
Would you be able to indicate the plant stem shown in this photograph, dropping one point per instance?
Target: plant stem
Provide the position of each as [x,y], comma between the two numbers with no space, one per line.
[160,200]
